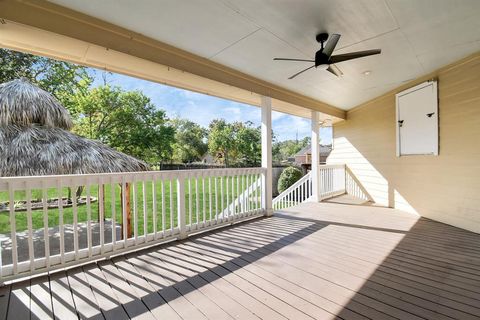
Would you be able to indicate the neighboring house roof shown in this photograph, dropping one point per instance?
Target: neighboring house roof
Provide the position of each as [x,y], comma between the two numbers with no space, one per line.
[324,150]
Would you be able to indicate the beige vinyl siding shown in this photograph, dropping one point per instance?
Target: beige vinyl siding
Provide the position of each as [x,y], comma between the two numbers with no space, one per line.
[445,187]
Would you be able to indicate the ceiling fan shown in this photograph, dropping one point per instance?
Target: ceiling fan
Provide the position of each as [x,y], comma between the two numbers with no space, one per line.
[324,58]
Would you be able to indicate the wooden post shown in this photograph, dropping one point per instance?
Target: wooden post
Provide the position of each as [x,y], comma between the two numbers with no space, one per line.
[127,209]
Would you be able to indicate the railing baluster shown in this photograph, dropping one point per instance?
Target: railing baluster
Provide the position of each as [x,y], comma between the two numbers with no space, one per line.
[197,204]
[75,220]
[113,220]
[221,199]
[101,214]
[172,212]
[256,193]
[210,198]
[204,204]
[135,211]
[244,192]
[163,208]
[247,177]
[232,198]
[46,235]
[89,219]
[30,227]
[13,227]
[301,192]
[238,177]
[227,188]
[203,200]
[124,212]
[145,214]
[154,207]
[181,207]
[189,202]
[216,199]
[60,222]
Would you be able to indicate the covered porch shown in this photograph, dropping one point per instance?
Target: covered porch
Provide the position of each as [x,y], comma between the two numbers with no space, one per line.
[215,244]
[314,260]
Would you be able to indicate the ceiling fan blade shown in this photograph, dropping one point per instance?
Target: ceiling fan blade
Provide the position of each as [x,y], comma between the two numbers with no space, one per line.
[335,70]
[331,44]
[296,74]
[287,59]
[353,55]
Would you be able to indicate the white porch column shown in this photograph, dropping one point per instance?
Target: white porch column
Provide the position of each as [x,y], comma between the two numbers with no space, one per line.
[267,154]
[315,156]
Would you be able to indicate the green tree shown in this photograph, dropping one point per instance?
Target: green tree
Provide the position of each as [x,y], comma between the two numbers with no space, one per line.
[248,141]
[125,120]
[282,150]
[62,79]
[190,141]
[288,177]
[236,143]
[221,140]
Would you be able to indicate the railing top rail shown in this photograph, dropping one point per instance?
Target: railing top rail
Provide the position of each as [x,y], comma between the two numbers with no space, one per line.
[293,186]
[48,180]
[331,166]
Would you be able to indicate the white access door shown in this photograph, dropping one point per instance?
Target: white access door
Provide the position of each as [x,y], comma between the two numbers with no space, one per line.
[417,120]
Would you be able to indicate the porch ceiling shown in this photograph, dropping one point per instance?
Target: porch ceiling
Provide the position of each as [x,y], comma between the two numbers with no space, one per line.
[416,37]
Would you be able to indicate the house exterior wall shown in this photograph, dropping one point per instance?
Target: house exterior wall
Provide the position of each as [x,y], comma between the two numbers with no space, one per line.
[446,187]
[300,159]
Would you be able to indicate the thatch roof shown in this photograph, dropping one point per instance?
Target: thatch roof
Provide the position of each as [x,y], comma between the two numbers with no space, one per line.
[33,139]
[23,103]
[38,150]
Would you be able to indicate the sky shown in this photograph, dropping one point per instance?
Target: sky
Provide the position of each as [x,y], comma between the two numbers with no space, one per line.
[202,108]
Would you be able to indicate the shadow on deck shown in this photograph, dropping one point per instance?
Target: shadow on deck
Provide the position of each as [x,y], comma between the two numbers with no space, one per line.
[320,261]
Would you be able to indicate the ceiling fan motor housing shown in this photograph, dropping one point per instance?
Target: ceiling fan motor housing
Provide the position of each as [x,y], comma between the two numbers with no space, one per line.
[322,37]
[320,58]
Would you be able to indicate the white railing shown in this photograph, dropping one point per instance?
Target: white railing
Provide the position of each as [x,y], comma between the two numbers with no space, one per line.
[242,199]
[331,183]
[101,215]
[297,193]
[331,180]
[354,187]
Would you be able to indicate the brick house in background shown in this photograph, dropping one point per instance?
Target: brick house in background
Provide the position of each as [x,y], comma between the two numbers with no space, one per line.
[303,158]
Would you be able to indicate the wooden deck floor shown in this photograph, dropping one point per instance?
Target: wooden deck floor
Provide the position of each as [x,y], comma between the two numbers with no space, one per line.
[321,261]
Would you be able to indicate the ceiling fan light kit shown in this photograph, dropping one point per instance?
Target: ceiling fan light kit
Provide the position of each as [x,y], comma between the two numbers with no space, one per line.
[324,58]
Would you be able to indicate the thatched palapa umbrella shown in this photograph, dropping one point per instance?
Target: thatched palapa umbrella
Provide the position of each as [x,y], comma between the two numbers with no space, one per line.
[35,138]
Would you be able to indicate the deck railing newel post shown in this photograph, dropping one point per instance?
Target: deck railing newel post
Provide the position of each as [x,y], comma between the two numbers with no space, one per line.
[181,207]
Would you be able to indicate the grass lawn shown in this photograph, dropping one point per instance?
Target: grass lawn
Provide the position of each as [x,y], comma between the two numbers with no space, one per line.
[53,214]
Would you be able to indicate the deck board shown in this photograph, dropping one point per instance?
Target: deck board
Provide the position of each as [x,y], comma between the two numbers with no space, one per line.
[313,261]
[4,300]
[41,299]
[62,300]
[104,294]
[19,302]
[83,297]
[126,294]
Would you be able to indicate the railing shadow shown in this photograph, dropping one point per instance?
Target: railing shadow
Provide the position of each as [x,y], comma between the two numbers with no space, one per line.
[424,275]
